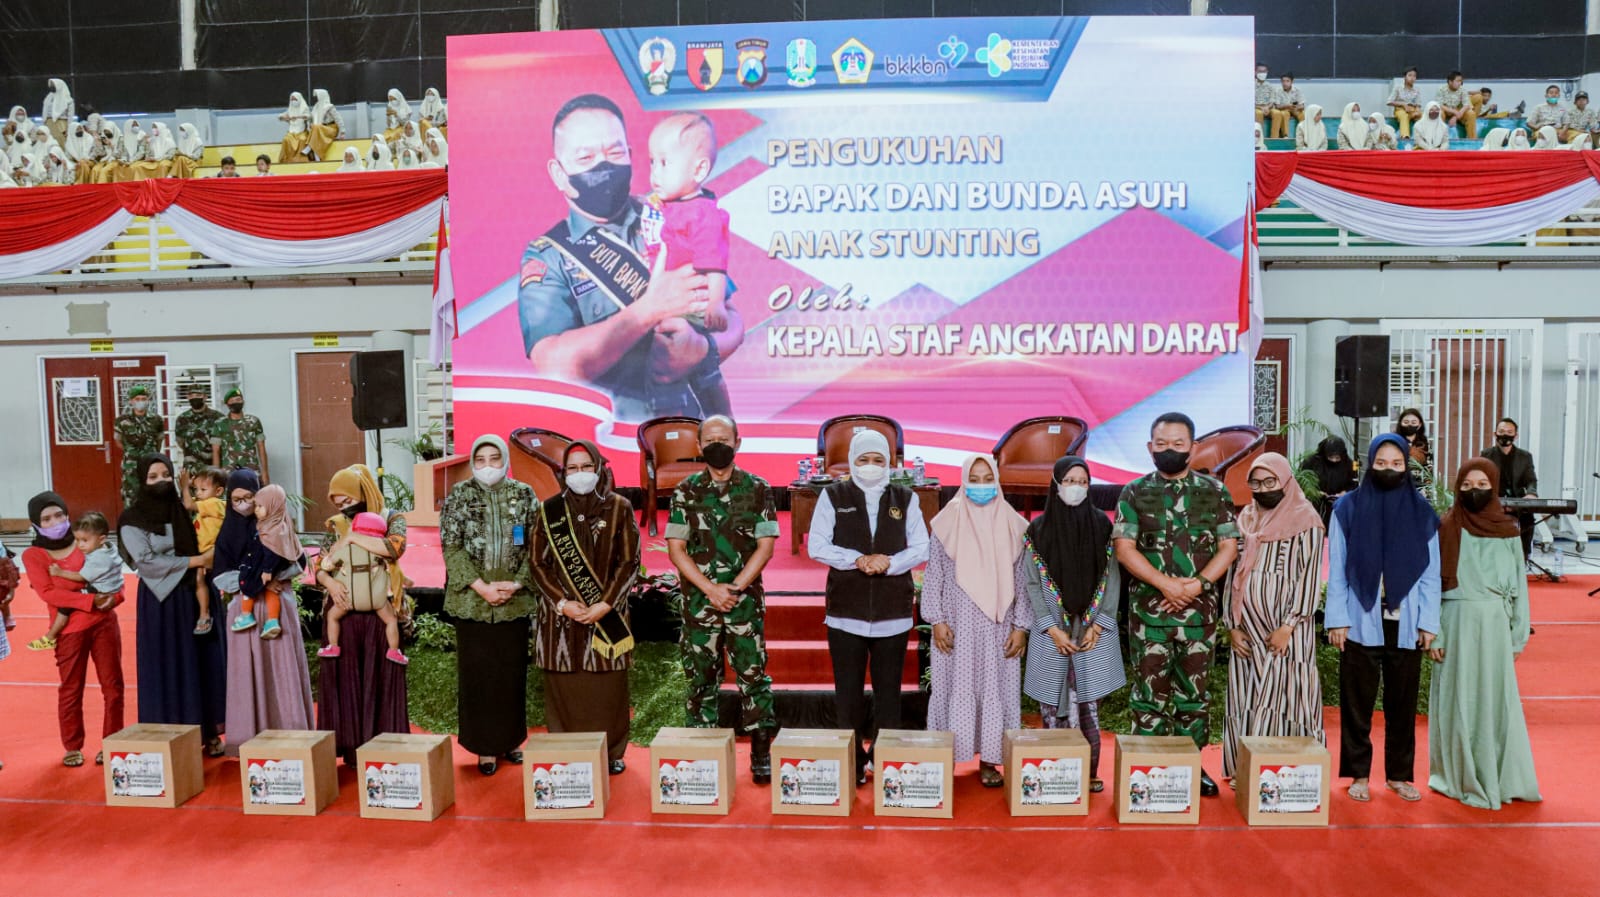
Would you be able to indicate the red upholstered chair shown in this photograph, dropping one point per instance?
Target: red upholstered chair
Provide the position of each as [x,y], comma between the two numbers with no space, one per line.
[1027,454]
[536,459]
[1227,454]
[669,451]
[833,439]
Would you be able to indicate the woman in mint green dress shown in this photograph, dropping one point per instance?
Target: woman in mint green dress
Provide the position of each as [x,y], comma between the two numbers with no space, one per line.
[1478,748]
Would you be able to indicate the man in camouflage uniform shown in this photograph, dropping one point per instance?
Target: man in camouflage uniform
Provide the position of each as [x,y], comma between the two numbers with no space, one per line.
[193,430]
[238,439]
[1176,535]
[138,433]
[720,535]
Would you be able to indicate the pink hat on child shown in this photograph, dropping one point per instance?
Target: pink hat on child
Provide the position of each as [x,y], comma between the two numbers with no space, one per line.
[370,524]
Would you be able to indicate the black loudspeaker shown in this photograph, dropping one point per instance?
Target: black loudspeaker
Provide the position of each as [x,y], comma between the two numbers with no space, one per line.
[1361,376]
[378,389]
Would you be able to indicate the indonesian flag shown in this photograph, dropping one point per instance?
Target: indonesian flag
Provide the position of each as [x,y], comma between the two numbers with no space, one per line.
[1250,320]
[442,328]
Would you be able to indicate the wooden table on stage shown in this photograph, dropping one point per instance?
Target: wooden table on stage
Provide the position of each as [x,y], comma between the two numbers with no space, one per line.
[803,503]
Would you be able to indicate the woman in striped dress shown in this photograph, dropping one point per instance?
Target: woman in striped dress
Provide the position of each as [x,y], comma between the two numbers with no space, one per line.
[1074,658]
[1273,689]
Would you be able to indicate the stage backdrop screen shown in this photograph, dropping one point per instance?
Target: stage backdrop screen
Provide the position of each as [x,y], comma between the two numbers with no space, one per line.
[956,223]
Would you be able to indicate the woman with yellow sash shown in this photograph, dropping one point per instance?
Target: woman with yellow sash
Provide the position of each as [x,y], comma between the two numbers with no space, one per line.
[326,124]
[297,140]
[395,116]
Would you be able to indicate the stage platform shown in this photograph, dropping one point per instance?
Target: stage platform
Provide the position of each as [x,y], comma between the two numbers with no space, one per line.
[60,838]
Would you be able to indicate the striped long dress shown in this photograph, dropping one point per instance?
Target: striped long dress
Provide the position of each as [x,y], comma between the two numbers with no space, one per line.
[1270,695]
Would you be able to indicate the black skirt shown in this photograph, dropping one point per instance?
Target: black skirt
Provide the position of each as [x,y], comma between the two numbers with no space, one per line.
[492,686]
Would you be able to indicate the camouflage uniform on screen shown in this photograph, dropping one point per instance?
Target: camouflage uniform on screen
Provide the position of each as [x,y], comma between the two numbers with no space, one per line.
[240,441]
[1177,526]
[722,522]
[140,435]
[193,430]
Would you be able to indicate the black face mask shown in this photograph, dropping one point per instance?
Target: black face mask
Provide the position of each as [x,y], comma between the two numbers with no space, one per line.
[1170,462]
[1336,459]
[1476,499]
[359,507]
[1408,430]
[197,404]
[236,407]
[1505,440]
[1387,479]
[718,454]
[1269,499]
[161,491]
[602,190]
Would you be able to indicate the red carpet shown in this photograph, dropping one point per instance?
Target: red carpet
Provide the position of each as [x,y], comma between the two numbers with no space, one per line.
[58,838]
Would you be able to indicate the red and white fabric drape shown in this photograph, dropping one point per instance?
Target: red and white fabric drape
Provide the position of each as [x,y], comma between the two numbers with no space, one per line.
[295,221]
[1433,199]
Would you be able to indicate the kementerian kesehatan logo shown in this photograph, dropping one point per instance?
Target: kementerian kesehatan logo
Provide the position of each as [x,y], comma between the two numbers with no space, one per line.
[656,59]
[704,63]
[852,62]
[752,61]
[801,58]
[1002,55]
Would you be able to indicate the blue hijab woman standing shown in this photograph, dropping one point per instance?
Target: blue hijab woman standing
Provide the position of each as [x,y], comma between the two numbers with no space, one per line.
[1382,613]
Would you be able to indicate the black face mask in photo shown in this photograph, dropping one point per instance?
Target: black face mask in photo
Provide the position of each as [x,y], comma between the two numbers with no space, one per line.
[1476,499]
[236,407]
[1505,440]
[1269,499]
[197,403]
[602,190]
[718,454]
[1408,430]
[1387,479]
[1170,462]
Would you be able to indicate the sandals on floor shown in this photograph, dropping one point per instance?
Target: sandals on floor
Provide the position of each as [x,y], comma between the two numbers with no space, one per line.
[73,759]
[990,777]
[99,758]
[214,748]
[1406,790]
[488,767]
[1360,792]
[1096,786]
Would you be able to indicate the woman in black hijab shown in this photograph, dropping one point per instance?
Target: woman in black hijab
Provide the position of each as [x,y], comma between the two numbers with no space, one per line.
[1336,473]
[1074,658]
[182,676]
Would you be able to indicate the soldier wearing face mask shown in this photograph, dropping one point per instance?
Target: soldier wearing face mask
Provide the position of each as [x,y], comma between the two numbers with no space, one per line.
[137,433]
[193,430]
[1517,478]
[238,440]
[591,307]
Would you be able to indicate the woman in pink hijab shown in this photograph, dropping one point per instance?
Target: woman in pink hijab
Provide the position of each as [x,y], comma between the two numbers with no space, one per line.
[976,571]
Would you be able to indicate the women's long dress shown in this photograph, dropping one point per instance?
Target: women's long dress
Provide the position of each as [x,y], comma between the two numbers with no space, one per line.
[363,694]
[269,684]
[1478,749]
[182,676]
[977,691]
[1270,695]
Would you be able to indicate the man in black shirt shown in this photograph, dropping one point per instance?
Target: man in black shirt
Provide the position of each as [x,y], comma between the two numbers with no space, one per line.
[1517,479]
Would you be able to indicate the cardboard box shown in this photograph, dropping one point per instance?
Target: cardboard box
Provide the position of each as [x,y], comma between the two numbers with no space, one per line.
[406,777]
[1158,780]
[565,776]
[914,773]
[153,765]
[815,769]
[1047,772]
[284,772]
[1283,781]
[692,771]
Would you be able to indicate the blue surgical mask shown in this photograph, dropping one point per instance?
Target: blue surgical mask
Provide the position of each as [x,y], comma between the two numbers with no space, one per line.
[1552,100]
[981,495]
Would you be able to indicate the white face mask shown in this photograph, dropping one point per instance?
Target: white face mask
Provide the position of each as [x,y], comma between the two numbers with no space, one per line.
[869,474]
[1072,495]
[583,482]
[489,476]
[1261,76]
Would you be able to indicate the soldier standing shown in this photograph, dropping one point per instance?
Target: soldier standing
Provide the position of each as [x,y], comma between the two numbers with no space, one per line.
[1176,535]
[193,430]
[138,433]
[238,440]
[719,536]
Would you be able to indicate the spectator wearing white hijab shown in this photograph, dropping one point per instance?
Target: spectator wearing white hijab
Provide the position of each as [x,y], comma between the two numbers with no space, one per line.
[1353,128]
[58,171]
[409,159]
[18,142]
[159,154]
[28,171]
[1496,139]
[327,125]
[43,138]
[379,157]
[434,114]
[109,161]
[397,113]
[438,150]
[297,140]
[411,138]
[135,144]
[191,149]
[1519,140]
[19,117]
[1431,133]
[1379,135]
[352,161]
[1581,142]
[1547,138]
[5,177]
[59,110]
[1261,142]
[1312,135]
[83,151]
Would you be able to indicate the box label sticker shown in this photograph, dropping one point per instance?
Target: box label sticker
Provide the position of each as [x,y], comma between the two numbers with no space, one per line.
[563,786]
[809,782]
[1159,789]
[277,782]
[1052,781]
[913,785]
[394,786]
[1290,789]
[694,783]
[138,775]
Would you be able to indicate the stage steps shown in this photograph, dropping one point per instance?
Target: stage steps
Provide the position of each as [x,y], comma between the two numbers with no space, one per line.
[797,645]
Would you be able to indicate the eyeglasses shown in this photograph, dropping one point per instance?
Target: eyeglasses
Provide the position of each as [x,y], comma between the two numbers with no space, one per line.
[1267,484]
